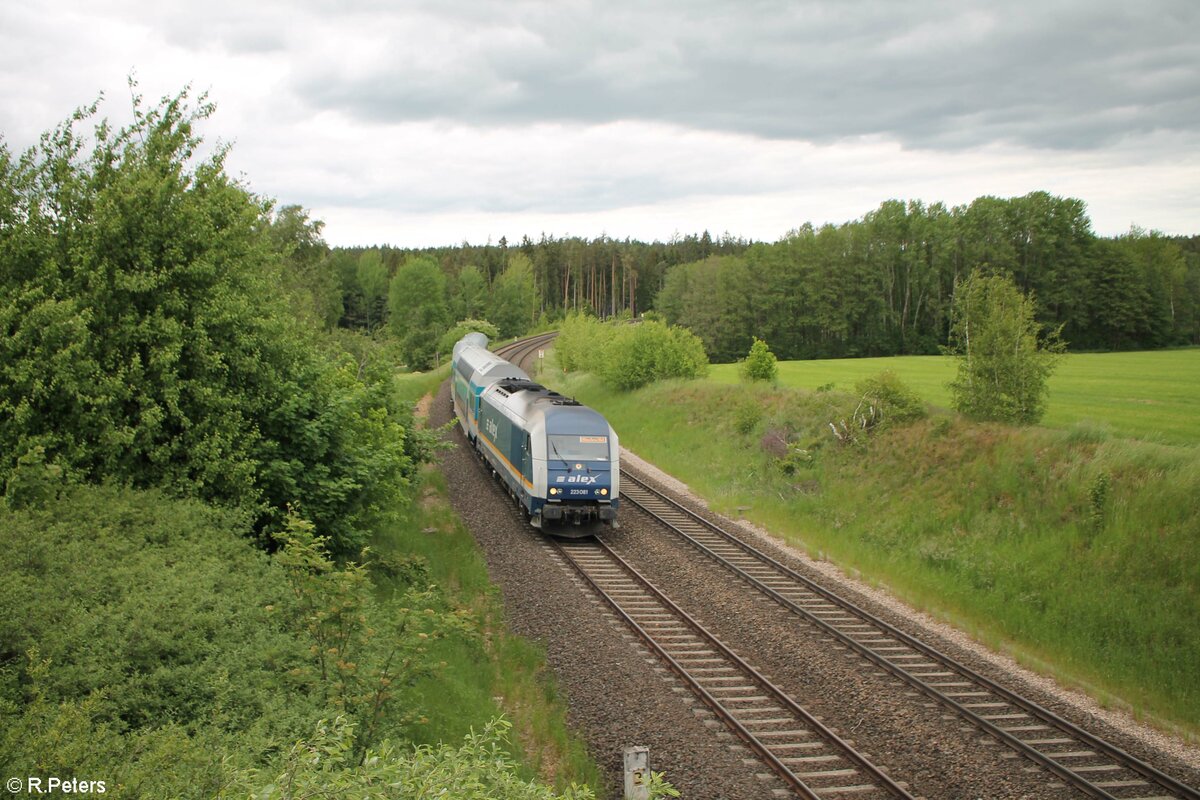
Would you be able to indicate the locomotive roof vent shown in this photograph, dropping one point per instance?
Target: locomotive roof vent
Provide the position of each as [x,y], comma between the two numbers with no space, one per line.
[510,386]
[559,400]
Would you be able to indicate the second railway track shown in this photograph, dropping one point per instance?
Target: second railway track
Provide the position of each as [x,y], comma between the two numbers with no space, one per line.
[1075,756]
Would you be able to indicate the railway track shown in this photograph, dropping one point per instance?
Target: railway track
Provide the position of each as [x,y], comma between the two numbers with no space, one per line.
[518,351]
[1075,756]
[811,759]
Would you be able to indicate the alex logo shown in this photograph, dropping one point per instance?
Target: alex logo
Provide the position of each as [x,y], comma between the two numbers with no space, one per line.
[576,479]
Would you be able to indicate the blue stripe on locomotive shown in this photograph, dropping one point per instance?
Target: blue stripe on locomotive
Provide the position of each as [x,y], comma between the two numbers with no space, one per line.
[507,448]
[466,392]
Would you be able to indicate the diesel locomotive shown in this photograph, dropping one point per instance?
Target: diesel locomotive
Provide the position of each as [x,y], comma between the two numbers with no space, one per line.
[558,458]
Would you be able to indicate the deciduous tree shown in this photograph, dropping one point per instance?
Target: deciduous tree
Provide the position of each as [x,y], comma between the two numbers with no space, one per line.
[146,341]
[418,309]
[514,297]
[1003,361]
[372,277]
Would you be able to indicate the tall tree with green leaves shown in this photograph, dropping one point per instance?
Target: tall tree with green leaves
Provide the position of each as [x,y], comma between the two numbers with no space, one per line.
[419,311]
[145,340]
[1004,361]
[372,276]
[514,297]
[306,271]
[472,293]
[1163,271]
[1122,311]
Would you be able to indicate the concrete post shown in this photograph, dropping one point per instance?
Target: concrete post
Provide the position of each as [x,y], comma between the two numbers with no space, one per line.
[637,773]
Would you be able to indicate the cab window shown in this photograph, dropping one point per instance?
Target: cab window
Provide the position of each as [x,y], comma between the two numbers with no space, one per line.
[570,447]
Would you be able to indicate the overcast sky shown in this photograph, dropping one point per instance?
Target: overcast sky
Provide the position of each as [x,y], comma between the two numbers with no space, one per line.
[421,123]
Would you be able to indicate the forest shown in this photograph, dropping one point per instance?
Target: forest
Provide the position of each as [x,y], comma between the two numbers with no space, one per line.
[880,285]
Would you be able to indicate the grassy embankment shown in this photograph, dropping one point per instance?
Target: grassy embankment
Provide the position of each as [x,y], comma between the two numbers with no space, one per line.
[497,673]
[1076,549]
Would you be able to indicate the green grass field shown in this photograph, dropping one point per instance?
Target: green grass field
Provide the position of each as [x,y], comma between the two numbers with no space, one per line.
[1074,549]
[1151,395]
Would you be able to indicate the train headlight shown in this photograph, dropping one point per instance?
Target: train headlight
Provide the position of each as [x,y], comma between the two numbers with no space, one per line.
[604,492]
[553,490]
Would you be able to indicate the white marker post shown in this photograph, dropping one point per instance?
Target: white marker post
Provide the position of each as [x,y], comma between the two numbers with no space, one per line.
[637,773]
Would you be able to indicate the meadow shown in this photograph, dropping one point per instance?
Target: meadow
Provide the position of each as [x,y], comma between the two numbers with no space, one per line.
[1153,395]
[1071,546]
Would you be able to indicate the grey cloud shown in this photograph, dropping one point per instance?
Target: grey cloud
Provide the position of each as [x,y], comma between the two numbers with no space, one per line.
[932,74]
[233,27]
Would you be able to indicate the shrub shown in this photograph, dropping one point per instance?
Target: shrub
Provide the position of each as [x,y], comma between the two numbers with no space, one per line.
[580,340]
[359,652]
[137,629]
[896,401]
[324,765]
[1003,367]
[636,355]
[746,416]
[760,363]
[629,356]
[798,458]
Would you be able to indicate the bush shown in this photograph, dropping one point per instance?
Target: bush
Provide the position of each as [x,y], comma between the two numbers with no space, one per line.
[1003,367]
[636,355]
[746,416]
[760,363]
[896,401]
[580,339]
[138,632]
[325,765]
[628,356]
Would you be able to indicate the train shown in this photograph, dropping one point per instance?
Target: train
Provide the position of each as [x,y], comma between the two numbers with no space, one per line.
[559,459]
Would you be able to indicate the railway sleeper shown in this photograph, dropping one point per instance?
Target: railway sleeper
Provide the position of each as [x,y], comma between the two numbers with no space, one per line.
[860,788]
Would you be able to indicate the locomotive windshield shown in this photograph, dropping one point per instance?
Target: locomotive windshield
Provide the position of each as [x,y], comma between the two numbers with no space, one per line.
[570,447]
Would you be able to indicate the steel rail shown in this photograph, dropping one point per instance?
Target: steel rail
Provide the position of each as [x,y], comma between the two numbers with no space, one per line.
[883,781]
[1032,709]
[524,347]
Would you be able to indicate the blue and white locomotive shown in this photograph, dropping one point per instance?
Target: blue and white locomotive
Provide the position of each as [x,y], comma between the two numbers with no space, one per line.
[559,459]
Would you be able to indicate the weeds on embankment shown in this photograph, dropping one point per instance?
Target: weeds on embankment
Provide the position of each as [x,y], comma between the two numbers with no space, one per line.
[1077,551]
